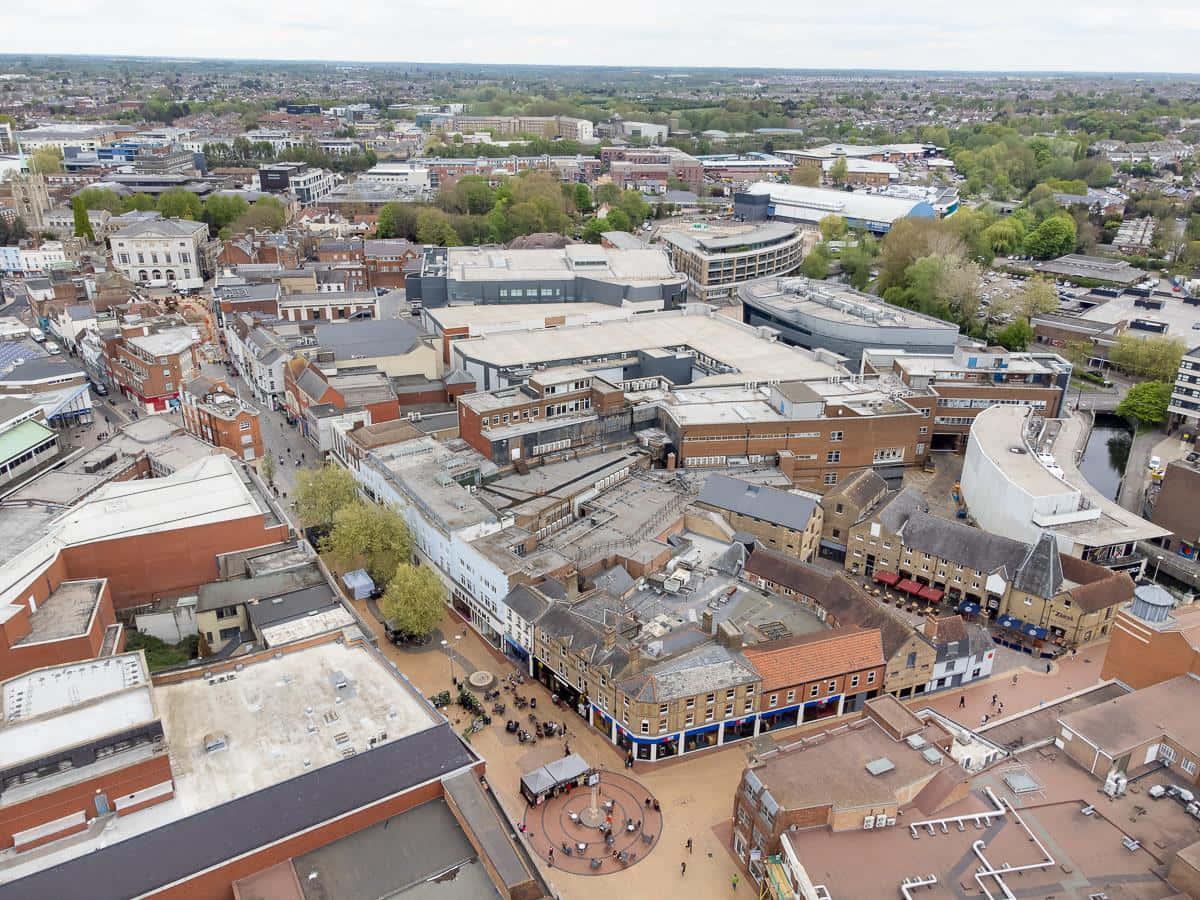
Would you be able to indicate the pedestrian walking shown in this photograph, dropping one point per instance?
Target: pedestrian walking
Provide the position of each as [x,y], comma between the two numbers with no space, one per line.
[689,845]
[994,699]
[1047,668]
[735,881]
[962,701]
[1001,712]
[1014,681]
[551,856]
[683,868]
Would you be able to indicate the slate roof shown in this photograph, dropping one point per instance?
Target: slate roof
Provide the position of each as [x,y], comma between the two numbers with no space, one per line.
[709,667]
[779,568]
[368,338]
[759,501]
[153,228]
[857,490]
[850,606]
[146,862]
[962,544]
[814,657]
[898,508]
[36,368]
[616,581]
[526,602]
[273,610]
[1040,573]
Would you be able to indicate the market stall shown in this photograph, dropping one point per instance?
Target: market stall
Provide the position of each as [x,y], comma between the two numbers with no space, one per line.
[555,777]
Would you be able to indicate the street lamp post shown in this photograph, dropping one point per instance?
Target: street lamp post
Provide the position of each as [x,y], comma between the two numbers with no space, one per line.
[449,647]
[1157,562]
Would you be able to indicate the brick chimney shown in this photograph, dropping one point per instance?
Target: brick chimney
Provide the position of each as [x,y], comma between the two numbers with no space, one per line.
[610,637]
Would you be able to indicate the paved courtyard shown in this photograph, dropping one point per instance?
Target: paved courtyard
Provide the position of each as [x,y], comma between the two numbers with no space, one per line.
[558,830]
[695,793]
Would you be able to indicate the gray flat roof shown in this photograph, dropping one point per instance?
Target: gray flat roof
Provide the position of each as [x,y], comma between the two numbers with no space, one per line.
[146,862]
[403,852]
[66,612]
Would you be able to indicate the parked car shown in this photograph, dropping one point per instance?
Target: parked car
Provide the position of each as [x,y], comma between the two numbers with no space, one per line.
[1155,463]
[100,389]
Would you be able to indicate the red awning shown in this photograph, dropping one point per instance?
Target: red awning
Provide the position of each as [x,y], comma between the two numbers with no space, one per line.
[932,594]
[887,577]
[908,586]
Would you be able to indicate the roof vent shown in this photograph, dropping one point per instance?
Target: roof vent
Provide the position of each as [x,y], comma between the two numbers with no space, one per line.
[214,742]
[880,766]
[932,756]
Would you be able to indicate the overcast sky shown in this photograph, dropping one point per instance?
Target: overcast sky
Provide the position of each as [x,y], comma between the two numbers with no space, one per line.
[930,34]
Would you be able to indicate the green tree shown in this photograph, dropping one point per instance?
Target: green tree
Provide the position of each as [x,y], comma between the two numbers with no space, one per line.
[593,228]
[618,220]
[634,205]
[1146,403]
[397,220]
[264,214]
[370,535]
[320,493]
[805,176]
[179,204]
[833,227]
[856,263]
[434,228]
[46,160]
[1015,336]
[1036,298]
[606,193]
[839,171]
[137,203]
[1054,237]
[1079,353]
[415,600]
[816,263]
[83,225]
[221,210]
[1005,236]
[96,198]
[583,197]
[1154,357]
[266,468]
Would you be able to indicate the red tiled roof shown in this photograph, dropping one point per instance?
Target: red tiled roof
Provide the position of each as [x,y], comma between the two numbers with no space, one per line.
[829,654]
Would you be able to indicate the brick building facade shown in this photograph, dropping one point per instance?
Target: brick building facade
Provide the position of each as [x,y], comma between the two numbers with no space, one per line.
[213,412]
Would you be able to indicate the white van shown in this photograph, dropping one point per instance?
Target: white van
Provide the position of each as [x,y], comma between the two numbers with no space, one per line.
[37,335]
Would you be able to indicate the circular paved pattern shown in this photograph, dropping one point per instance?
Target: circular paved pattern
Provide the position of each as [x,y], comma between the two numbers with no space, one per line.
[559,824]
[481,679]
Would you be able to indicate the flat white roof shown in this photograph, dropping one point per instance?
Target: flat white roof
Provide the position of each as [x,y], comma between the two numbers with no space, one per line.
[998,431]
[523,315]
[306,626]
[55,688]
[1179,317]
[63,706]
[822,201]
[490,264]
[204,492]
[718,337]
[281,717]
[165,343]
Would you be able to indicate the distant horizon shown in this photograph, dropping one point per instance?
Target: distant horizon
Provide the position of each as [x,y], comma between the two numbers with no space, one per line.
[456,65]
[939,36]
